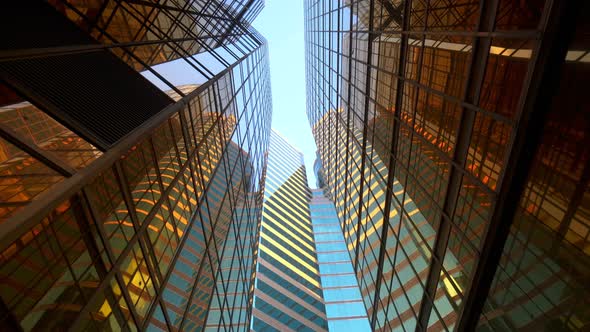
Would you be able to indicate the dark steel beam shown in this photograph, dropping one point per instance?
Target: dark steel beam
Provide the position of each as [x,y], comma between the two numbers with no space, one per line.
[42,52]
[172,8]
[575,200]
[395,13]
[345,184]
[92,212]
[46,157]
[560,18]
[82,213]
[235,22]
[401,65]
[8,318]
[367,92]
[479,58]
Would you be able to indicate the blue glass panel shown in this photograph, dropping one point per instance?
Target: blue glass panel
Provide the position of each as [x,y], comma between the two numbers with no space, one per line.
[342,294]
[329,237]
[327,228]
[345,309]
[322,220]
[336,268]
[339,281]
[334,256]
[332,246]
[357,325]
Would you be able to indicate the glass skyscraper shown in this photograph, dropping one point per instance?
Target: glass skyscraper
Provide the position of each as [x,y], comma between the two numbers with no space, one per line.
[288,294]
[454,141]
[345,309]
[123,207]
[142,189]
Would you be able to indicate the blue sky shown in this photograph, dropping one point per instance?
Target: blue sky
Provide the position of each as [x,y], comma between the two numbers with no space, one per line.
[281,23]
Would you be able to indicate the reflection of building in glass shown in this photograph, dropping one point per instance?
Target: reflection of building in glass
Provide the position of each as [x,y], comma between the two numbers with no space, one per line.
[124,208]
[365,222]
[24,122]
[288,294]
[198,25]
[345,309]
[457,157]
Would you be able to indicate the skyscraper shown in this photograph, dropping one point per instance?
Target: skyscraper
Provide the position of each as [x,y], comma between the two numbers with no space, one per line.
[123,207]
[454,144]
[288,294]
[345,309]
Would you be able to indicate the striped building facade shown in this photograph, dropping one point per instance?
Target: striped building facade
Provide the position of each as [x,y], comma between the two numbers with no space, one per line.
[288,294]
[362,224]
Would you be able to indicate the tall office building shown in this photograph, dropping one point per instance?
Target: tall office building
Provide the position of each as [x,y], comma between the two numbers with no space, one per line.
[288,294]
[345,309]
[454,138]
[124,208]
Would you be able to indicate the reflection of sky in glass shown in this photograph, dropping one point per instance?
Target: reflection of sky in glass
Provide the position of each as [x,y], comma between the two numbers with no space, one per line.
[284,34]
[198,69]
[344,305]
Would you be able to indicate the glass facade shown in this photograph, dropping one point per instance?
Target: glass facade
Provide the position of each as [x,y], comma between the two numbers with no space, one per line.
[288,294]
[24,175]
[153,226]
[164,32]
[544,269]
[454,151]
[345,309]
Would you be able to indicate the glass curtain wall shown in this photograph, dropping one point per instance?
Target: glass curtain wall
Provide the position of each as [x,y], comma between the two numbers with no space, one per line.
[441,129]
[288,295]
[158,229]
[345,309]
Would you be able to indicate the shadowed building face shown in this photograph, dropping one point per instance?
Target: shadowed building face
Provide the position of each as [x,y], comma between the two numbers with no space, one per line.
[124,208]
[457,158]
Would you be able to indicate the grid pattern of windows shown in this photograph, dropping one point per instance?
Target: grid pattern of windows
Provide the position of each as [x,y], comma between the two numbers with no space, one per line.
[159,231]
[544,269]
[124,251]
[26,175]
[201,38]
[154,33]
[345,309]
[426,115]
[288,295]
